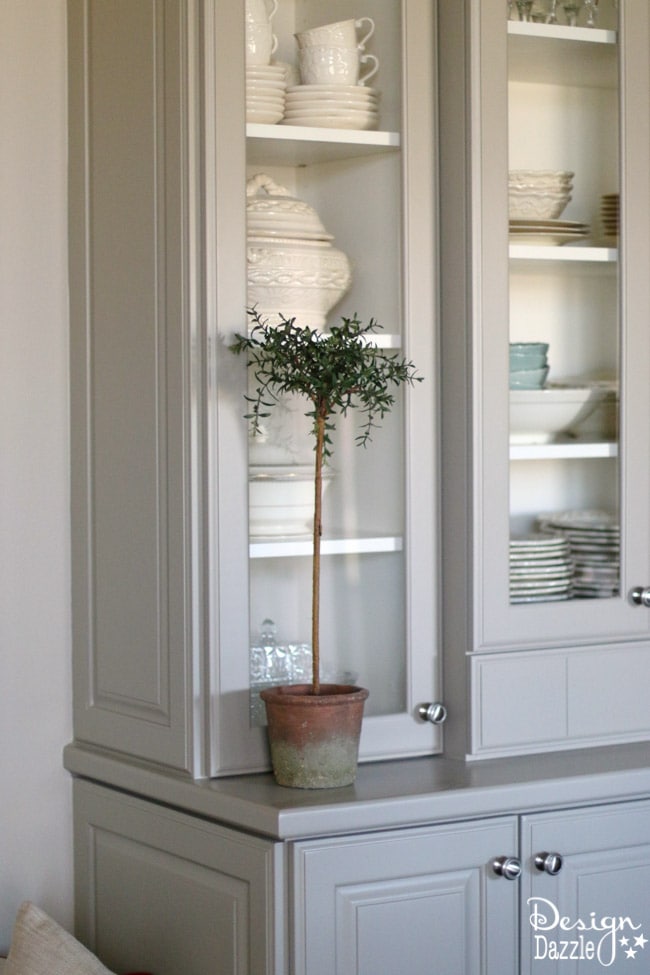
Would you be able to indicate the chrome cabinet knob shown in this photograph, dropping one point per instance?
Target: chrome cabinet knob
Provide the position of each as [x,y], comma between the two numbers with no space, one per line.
[549,863]
[507,867]
[640,596]
[436,713]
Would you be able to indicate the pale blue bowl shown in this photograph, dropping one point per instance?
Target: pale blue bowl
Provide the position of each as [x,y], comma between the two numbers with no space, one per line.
[528,378]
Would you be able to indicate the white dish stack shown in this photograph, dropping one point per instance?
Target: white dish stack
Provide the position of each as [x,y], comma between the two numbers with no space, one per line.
[609,217]
[266,83]
[536,200]
[541,569]
[332,106]
[266,86]
[334,71]
[594,540]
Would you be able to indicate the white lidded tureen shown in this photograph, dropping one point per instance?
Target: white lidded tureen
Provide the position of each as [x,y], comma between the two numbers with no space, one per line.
[293,269]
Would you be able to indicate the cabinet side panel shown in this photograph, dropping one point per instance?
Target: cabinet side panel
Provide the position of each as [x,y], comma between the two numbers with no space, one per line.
[128,361]
[163,892]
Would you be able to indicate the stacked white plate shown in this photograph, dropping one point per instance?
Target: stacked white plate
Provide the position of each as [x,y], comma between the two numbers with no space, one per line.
[609,215]
[540,568]
[332,106]
[547,232]
[594,541]
[266,86]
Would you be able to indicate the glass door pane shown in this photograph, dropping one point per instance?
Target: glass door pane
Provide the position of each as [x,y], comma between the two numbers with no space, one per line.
[564,334]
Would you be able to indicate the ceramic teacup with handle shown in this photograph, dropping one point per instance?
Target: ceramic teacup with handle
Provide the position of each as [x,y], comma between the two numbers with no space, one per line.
[336,66]
[343,33]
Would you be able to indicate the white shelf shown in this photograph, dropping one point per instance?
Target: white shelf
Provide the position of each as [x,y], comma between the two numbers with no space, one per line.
[556,54]
[274,548]
[570,449]
[292,146]
[590,35]
[531,252]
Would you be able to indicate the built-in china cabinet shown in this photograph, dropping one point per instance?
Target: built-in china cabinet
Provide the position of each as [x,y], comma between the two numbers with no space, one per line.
[188,856]
[171,590]
[530,662]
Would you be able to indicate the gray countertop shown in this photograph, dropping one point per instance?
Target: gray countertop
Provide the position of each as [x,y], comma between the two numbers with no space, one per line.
[386,795]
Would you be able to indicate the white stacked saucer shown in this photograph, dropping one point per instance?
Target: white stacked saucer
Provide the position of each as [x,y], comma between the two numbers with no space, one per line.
[547,232]
[265,93]
[332,106]
[541,569]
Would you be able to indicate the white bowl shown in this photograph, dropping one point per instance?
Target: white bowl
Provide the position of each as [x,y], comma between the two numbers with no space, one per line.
[541,415]
[541,178]
[281,500]
[534,204]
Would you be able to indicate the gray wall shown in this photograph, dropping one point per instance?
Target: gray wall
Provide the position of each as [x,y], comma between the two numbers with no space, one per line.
[35,698]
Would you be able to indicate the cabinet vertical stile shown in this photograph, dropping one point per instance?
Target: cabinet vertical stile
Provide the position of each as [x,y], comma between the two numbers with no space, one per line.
[373,192]
[558,528]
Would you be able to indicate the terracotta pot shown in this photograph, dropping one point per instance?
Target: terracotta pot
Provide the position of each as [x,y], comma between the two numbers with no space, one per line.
[314,739]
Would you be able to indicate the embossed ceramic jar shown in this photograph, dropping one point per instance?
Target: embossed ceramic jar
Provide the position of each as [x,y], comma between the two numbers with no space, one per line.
[293,269]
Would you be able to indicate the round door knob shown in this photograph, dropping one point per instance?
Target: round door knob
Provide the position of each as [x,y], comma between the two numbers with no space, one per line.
[436,713]
[508,867]
[640,596]
[549,863]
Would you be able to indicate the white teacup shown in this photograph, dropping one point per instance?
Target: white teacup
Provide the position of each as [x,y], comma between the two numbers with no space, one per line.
[261,43]
[335,66]
[260,11]
[341,34]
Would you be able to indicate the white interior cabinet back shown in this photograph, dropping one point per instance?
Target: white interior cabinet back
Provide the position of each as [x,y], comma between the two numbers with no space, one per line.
[567,657]
[130,367]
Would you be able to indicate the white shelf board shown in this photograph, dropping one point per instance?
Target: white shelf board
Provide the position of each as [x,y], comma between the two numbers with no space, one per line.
[272,548]
[557,54]
[589,35]
[570,449]
[386,341]
[532,252]
[301,146]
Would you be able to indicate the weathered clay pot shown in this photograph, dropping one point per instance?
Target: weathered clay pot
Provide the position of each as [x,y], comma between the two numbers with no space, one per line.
[314,739]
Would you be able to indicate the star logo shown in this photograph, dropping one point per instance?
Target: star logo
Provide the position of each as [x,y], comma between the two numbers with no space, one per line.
[641,941]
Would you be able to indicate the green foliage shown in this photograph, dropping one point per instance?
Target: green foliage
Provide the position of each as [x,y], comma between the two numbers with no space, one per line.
[335,371]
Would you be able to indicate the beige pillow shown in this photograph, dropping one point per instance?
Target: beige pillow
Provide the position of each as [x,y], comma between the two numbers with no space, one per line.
[39,946]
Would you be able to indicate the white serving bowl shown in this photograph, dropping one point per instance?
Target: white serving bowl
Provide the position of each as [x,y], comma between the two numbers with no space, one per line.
[281,499]
[540,178]
[533,204]
[541,415]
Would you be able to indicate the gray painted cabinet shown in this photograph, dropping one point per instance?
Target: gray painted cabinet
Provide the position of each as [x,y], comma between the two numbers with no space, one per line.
[524,96]
[407,900]
[168,588]
[182,862]
[169,890]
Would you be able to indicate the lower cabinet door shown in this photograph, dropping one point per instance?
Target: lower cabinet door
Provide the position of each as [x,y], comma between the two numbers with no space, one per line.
[420,900]
[586,891]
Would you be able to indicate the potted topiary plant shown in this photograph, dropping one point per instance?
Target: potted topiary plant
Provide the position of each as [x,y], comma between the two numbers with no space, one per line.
[335,372]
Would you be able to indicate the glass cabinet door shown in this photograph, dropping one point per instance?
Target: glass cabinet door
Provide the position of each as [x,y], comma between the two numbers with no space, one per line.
[565,532]
[369,193]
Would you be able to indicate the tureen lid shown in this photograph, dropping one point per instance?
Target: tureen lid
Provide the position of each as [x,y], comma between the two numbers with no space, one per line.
[272,211]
